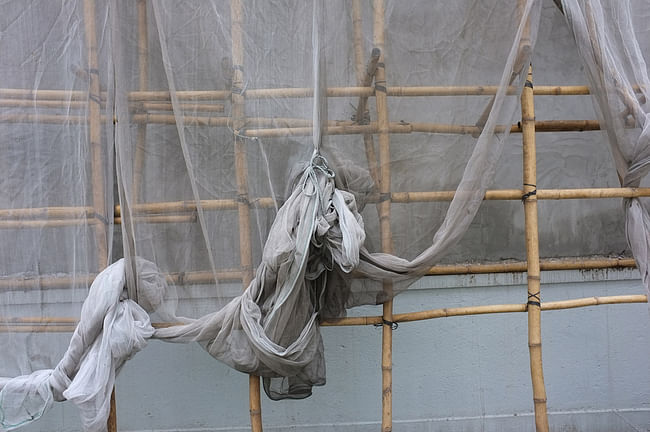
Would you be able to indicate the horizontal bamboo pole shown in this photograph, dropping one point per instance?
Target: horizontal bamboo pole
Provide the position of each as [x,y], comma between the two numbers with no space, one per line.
[409,91]
[62,216]
[65,324]
[78,104]
[488,309]
[16,93]
[165,106]
[190,206]
[207,277]
[186,218]
[198,95]
[43,118]
[48,223]
[39,103]
[45,282]
[51,282]
[400,198]
[281,127]
[552,264]
[47,213]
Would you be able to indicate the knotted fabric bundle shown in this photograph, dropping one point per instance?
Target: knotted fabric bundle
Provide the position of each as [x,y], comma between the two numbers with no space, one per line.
[111,330]
[272,329]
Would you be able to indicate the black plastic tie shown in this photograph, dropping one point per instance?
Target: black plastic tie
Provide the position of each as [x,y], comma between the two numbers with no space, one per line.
[392,324]
[384,197]
[533,299]
[527,195]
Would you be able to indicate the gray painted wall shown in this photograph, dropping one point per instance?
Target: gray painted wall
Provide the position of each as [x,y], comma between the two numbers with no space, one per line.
[452,374]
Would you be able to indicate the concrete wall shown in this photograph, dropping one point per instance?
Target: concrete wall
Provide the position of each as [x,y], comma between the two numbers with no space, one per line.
[452,374]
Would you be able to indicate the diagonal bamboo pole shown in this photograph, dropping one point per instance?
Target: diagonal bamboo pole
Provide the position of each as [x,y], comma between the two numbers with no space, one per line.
[241,171]
[97,161]
[532,252]
[364,79]
[143,78]
[381,101]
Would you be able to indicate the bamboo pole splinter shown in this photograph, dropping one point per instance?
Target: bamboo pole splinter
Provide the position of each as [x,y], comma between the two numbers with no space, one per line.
[532,252]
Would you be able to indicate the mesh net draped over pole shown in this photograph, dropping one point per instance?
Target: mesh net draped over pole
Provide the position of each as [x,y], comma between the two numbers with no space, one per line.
[322,157]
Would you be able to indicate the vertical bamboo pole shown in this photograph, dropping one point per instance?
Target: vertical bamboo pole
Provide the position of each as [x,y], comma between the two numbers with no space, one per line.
[112,415]
[384,215]
[532,253]
[143,71]
[94,130]
[97,157]
[241,171]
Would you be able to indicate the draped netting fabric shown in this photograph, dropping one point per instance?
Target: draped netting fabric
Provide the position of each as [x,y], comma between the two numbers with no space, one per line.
[319,253]
[618,79]
[235,164]
[56,192]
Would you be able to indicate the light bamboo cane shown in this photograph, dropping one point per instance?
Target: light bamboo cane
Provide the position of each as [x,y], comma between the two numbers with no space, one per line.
[532,252]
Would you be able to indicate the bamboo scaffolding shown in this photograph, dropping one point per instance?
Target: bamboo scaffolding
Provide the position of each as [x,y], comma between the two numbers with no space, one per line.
[383,208]
[532,253]
[65,324]
[241,174]
[142,102]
